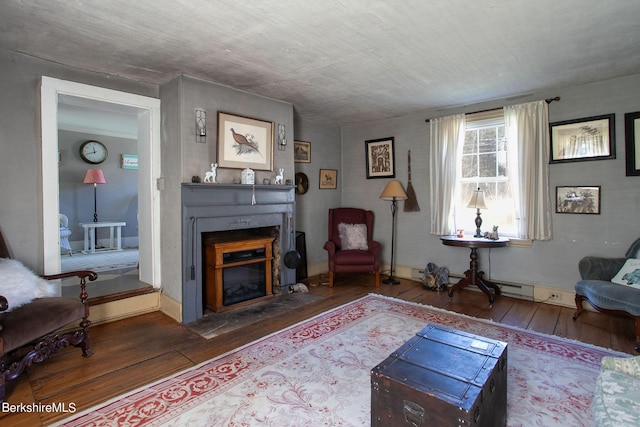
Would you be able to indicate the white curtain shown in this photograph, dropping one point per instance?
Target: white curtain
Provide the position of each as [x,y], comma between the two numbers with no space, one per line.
[447,138]
[527,127]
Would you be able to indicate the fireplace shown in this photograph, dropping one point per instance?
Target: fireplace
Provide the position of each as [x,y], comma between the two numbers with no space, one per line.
[209,209]
[237,268]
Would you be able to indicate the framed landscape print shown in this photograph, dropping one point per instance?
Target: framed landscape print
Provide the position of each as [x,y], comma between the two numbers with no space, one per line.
[328,179]
[380,158]
[578,200]
[591,138]
[301,152]
[632,143]
[244,142]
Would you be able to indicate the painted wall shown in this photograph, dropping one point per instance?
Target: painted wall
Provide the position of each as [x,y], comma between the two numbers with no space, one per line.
[20,145]
[117,199]
[312,207]
[551,263]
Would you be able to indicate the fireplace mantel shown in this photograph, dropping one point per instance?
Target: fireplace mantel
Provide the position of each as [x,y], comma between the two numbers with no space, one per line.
[221,207]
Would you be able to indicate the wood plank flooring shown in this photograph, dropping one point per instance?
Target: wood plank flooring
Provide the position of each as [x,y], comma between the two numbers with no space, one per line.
[133,352]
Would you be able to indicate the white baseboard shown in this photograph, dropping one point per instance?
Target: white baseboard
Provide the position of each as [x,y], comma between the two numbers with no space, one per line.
[537,293]
[171,307]
[316,268]
[127,307]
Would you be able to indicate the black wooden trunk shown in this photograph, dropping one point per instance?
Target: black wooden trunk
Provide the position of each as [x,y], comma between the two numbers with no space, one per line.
[441,377]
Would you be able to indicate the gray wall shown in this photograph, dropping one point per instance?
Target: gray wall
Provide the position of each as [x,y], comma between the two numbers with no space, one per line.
[551,263]
[312,207]
[20,145]
[117,199]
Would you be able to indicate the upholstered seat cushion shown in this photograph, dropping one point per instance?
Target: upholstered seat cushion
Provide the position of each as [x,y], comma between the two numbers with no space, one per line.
[354,257]
[610,296]
[36,319]
[617,395]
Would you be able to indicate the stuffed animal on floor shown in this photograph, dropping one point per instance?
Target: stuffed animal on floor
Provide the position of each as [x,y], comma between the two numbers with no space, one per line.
[435,278]
[429,281]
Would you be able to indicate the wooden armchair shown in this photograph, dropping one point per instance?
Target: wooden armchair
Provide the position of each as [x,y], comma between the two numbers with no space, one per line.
[32,332]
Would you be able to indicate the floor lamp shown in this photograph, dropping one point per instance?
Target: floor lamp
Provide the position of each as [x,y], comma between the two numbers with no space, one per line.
[394,192]
[95,177]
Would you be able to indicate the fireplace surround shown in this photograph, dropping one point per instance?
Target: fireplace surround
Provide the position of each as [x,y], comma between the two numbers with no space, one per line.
[208,208]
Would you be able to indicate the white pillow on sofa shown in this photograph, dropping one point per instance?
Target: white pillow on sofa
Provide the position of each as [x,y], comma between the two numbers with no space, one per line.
[629,274]
[353,236]
[19,285]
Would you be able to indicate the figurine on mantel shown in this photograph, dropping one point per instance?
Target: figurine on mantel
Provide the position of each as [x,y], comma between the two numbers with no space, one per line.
[210,176]
[279,177]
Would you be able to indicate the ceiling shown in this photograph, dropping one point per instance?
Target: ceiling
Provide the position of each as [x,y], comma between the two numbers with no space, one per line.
[340,61]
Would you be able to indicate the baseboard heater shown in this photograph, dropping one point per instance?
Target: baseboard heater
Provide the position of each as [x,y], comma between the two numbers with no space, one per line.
[509,289]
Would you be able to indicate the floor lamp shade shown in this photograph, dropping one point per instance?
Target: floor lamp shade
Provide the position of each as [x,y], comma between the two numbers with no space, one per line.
[95,177]
[393,191]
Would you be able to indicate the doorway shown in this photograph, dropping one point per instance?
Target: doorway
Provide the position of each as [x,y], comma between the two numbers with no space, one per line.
[146,112]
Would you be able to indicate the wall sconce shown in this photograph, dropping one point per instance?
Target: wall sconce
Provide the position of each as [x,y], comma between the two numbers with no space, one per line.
[282,140]
[201,126]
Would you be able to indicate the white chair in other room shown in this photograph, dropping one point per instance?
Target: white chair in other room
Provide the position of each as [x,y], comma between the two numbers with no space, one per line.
[65,232]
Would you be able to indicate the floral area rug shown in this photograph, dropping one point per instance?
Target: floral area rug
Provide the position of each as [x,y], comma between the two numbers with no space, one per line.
[317,373]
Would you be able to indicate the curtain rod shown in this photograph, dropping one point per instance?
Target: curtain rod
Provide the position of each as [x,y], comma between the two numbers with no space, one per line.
[548,101]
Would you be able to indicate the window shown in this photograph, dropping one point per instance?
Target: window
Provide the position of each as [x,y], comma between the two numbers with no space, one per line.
[483,164]
[505,152]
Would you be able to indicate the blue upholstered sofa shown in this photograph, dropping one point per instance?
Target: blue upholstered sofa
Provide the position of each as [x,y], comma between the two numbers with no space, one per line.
[597,289]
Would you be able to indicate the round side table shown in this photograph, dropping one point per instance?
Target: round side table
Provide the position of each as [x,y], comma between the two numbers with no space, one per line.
[473,276]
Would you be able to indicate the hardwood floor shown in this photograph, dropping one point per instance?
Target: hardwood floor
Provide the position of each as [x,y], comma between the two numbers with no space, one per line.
[133,352]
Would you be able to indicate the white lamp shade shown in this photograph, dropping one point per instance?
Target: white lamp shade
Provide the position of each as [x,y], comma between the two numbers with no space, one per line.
[477,200]
[393,191]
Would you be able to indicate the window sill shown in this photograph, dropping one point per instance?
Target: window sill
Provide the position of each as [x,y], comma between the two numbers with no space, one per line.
[520,243]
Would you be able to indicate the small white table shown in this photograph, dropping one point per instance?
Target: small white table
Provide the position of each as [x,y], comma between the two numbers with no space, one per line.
[90,235]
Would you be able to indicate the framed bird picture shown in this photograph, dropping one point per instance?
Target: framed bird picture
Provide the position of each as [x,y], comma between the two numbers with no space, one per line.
[244,142]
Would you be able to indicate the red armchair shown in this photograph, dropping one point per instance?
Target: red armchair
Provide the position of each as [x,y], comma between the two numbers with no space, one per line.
[343,257]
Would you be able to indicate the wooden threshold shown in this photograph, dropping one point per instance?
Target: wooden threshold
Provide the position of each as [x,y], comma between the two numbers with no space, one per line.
[122,295]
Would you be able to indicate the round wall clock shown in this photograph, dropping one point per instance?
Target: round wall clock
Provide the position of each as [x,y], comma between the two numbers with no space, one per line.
[93,152]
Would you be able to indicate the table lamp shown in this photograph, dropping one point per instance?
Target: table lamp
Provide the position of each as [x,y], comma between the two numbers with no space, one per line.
[477,202]
[394,192]
[95,177]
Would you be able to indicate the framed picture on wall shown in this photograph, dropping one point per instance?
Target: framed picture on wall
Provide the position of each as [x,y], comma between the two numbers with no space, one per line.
[301,152]
[328,179]
[380,158]
[129,161]
[632,143]
[244,142]
[578,200]
[591,138]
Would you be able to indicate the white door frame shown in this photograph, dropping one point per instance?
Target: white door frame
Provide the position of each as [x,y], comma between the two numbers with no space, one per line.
[148,173]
